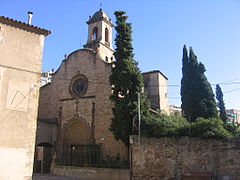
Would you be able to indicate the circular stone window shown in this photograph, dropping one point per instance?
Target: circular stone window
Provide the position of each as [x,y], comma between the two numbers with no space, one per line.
[78,85]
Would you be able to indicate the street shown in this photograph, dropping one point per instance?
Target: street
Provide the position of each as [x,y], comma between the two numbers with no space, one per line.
[51,177]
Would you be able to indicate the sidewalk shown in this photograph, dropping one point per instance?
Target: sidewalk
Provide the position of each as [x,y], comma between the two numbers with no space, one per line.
[51,177]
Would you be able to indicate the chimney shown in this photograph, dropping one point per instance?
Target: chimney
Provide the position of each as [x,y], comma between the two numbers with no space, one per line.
[30,17]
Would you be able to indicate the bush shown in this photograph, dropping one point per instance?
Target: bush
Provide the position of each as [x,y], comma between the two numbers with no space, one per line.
[115,162]
[209,128]
[232,128]
[162,125]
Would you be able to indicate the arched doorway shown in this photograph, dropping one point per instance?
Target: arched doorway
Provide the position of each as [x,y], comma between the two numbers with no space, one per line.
[78,148]
[76,131]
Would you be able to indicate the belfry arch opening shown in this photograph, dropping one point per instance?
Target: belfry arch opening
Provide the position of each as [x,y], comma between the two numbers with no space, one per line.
[106,35]
[95,34]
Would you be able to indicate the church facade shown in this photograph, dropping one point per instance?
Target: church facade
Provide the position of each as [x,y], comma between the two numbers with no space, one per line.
[75,107]
[77,99]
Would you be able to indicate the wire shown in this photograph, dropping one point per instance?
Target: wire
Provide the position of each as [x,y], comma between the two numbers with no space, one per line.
[170,85]
[178,85]
[178,92]
[232,80]
[223,92]
[174,97]
[164,85]
[226,83]
[232,90]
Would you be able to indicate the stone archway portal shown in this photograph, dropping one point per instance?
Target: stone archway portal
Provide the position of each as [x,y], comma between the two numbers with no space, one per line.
[78,148]
[77,132]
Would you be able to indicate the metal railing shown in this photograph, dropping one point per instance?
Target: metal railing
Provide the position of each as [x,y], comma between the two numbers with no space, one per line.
[89,155]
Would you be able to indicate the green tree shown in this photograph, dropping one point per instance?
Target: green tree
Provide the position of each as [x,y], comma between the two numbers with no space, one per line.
[162,125]
[126,81]
[185,83]
[220,103]
[212,128]
[197,95]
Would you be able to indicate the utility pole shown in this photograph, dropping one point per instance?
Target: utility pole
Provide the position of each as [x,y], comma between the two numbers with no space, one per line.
[139,118]
[138,127]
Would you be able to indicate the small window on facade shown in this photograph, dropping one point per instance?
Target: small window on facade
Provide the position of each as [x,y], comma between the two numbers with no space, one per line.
[106,35]
[111,58]
[95,33]
[106,58]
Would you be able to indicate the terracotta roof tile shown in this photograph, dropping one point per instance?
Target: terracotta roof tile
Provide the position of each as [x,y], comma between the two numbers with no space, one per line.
[24,26]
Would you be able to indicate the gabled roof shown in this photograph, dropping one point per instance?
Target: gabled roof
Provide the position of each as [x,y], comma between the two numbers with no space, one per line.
[24,26]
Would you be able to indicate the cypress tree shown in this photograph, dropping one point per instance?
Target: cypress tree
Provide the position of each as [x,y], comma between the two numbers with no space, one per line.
[196,92]
[126,81]
[220,103]
[185,83]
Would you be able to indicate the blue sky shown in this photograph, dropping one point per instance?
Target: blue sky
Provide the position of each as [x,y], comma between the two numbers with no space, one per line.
[160,29]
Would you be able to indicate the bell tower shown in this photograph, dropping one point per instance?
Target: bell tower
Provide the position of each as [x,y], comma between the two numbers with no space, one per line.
[100,35]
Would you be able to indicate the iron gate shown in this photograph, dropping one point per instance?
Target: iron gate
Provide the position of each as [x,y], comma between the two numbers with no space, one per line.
[81,155]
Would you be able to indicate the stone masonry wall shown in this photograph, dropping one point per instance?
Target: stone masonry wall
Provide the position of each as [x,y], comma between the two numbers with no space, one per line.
[92,173]
[94,108]
[170,158]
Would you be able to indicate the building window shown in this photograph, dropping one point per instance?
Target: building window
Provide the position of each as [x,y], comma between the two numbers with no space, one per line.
[95,34]
[78,85]
[106,35]
[106,58]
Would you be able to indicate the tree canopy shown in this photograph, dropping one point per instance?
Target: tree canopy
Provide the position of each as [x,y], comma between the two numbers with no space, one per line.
[196,92]
[220,103]
[126,81]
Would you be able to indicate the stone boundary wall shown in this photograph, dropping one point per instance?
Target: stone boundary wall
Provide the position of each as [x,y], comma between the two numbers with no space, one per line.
[171,158]
[92,173]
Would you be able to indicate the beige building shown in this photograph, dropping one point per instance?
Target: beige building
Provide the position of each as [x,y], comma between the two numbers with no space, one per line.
[46,77]
[233,115]
[174,109]
[21,49]
[155,87]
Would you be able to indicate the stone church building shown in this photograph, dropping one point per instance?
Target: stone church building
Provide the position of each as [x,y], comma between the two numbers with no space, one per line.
[75,107]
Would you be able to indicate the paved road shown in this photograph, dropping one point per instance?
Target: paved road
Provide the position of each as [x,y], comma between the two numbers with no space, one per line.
[50,177]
